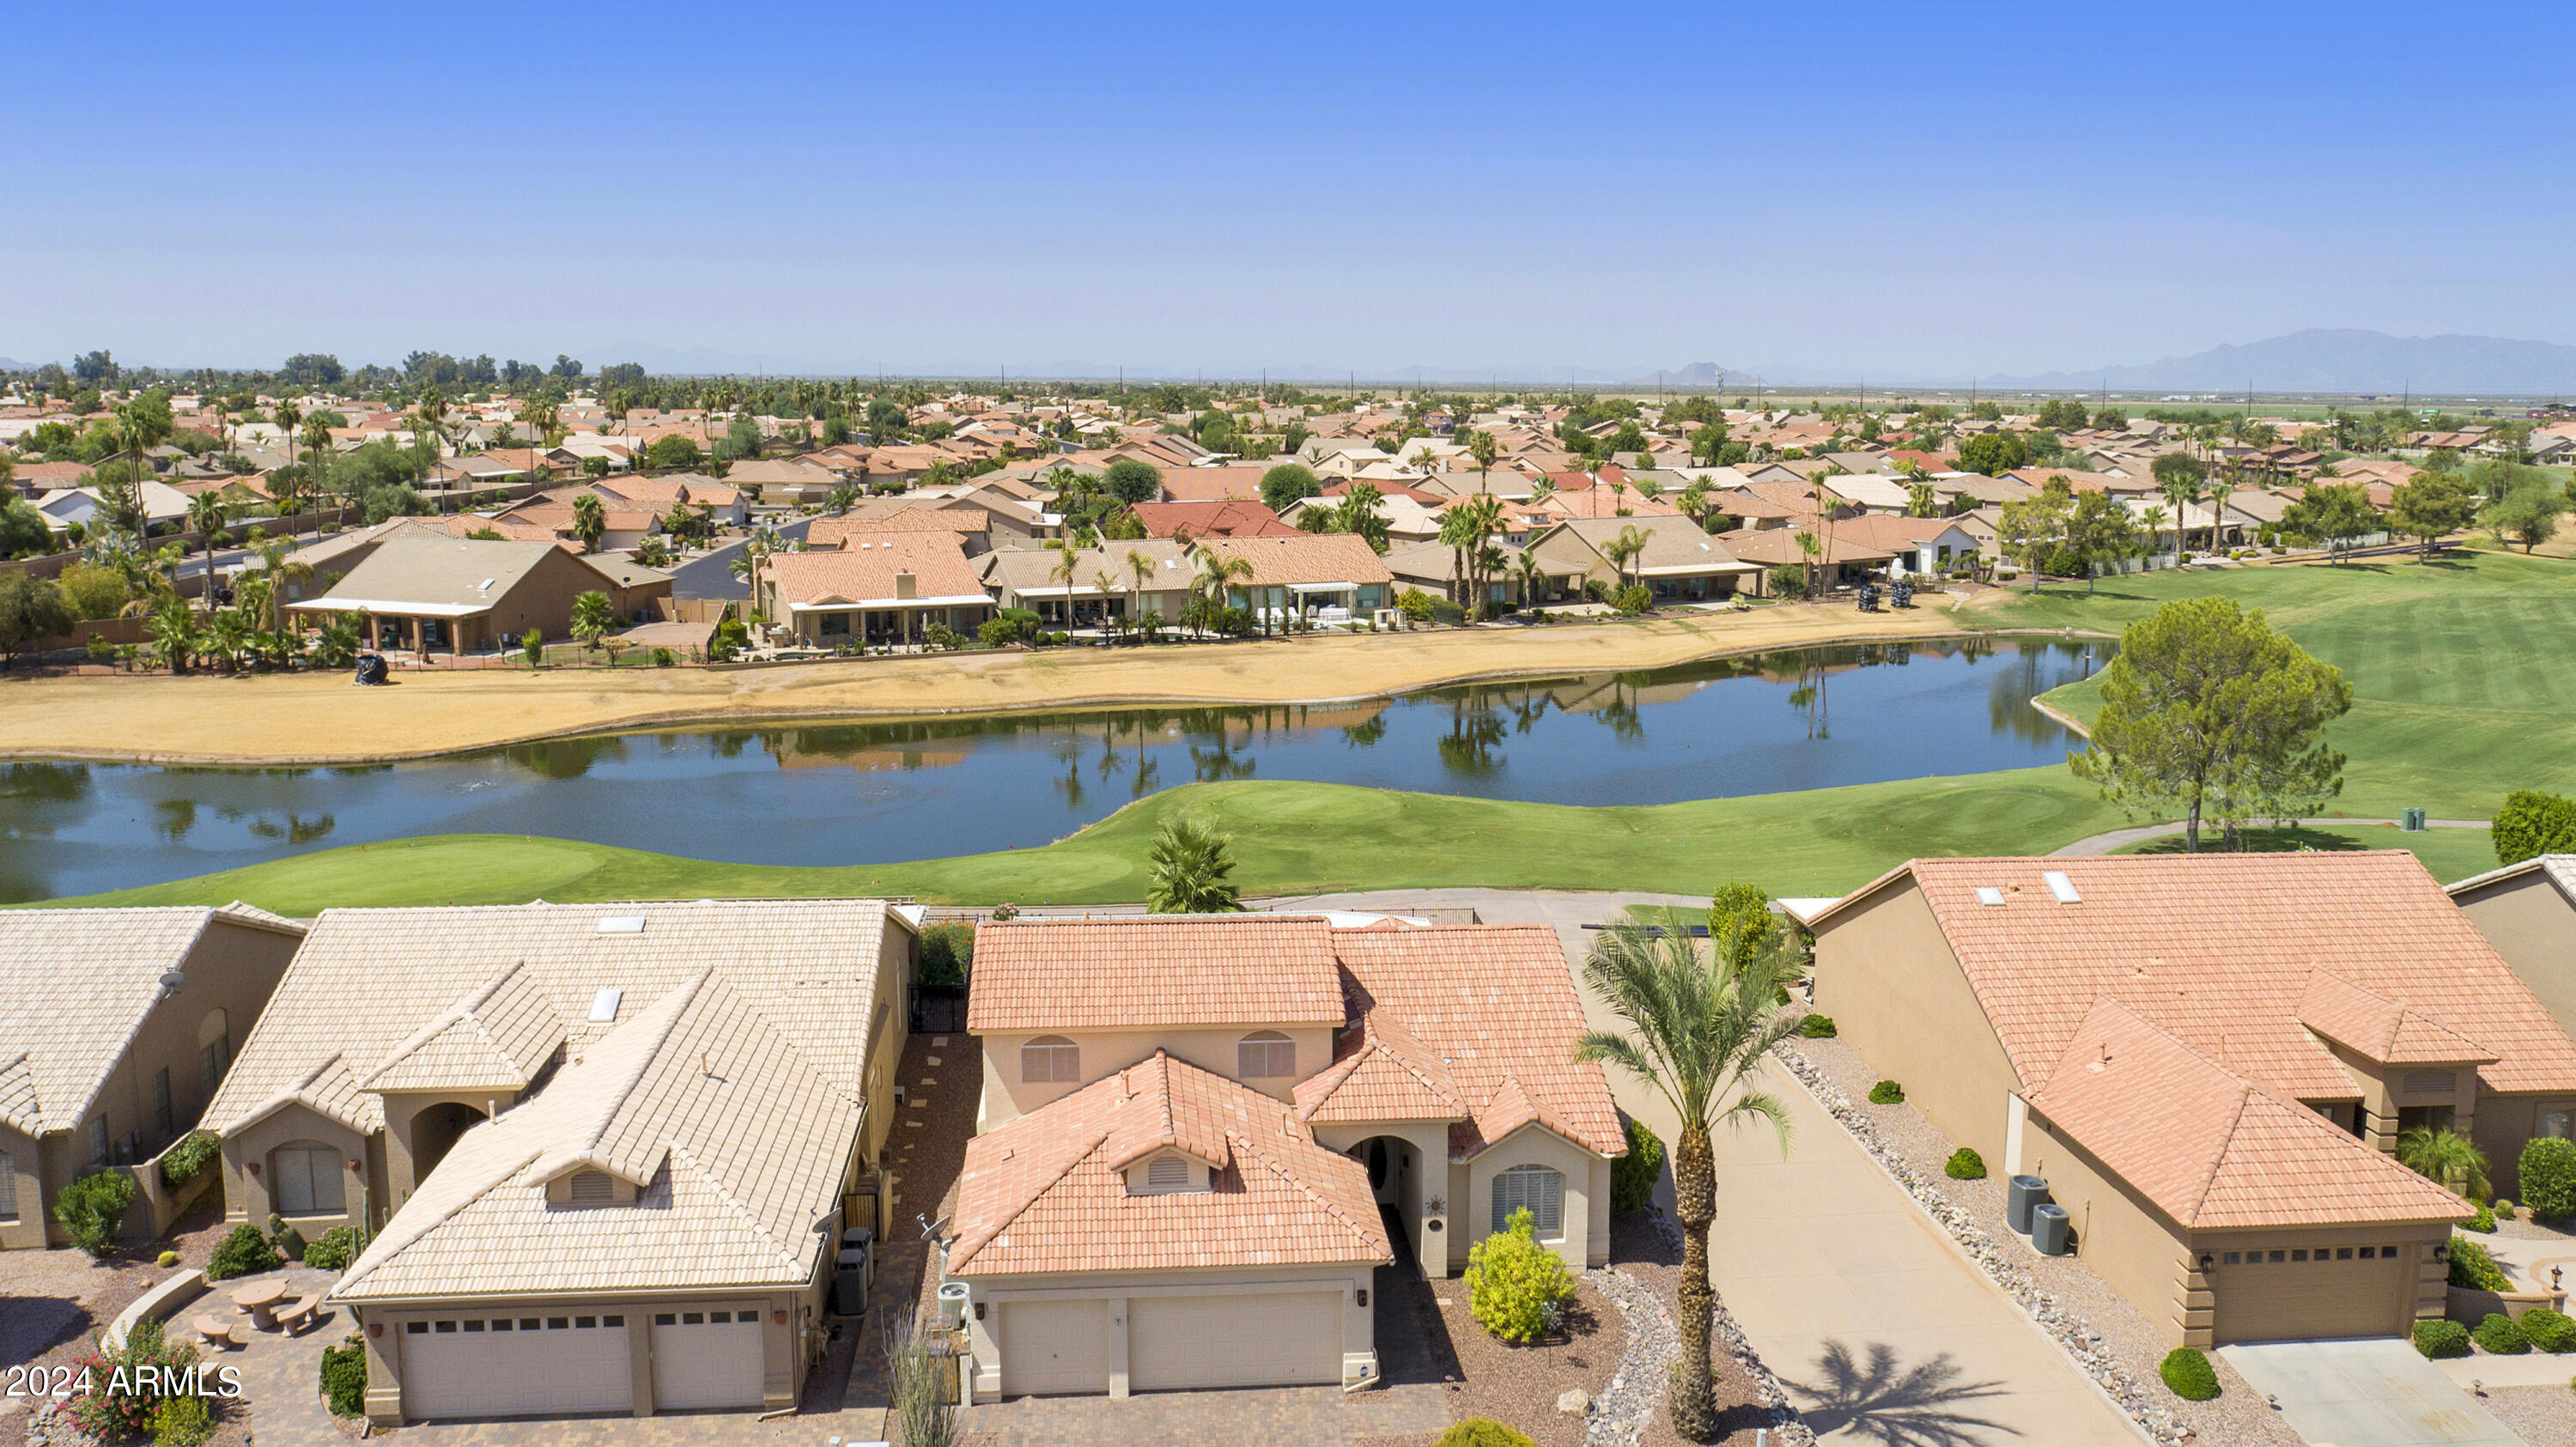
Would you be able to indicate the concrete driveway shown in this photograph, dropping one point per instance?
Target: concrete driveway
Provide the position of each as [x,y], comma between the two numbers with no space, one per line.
[1884,1330]
[2367,1394]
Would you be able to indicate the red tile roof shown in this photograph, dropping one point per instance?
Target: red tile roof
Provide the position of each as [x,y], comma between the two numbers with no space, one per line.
[1074,974]
[1227,519]
[1306,558]
[864,573]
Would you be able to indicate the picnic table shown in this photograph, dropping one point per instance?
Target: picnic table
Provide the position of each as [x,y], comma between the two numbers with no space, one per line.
[260,1299]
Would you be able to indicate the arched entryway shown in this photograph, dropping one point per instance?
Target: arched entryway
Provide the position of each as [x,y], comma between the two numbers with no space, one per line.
[1395,1171]
[434,1133]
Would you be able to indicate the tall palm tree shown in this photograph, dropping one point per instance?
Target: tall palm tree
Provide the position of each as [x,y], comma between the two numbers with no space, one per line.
[1068,561]
[589,520]
[1623,550]
[280,567]
[746,565]
[317,440]
[2222,486]
[1141,568]
[1480,448]
[1699,1026]
[1218,572]
[1532,574]
[207,515]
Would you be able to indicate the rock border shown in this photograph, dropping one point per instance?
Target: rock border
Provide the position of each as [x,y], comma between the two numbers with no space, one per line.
[2107,1372]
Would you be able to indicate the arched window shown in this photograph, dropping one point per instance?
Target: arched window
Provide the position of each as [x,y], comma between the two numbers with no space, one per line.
[214,1047]
[1265,1055]
[1534,1189]
[1049,1060]
[306,1179]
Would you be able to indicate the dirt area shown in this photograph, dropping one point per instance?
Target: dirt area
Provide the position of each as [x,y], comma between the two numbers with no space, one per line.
[1640,1249]
[58,1300]
[1421,1339]
[303,718]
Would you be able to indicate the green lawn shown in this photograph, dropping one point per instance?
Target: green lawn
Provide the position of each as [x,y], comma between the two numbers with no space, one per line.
[2462,686]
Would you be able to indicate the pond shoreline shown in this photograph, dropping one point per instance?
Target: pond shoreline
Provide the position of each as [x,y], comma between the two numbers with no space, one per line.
[1430,661]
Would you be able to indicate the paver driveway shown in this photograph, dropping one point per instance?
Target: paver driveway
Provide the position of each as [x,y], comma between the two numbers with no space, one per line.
[1886,1330]
[2367,1394]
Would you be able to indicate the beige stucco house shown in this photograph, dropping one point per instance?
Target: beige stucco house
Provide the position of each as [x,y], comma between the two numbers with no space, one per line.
[1201,1136]
[2208,1058]
[116,1027]
[608,1150]
[2528,912]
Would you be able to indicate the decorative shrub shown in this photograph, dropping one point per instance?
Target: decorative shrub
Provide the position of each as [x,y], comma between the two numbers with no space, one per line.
[2499,1335]
[344,1378]
[2551,1331]
[2187,1371]
[283,1235]
[2441,1339]
[2483,1221]
[1634,599]
[1633,1176]
[2473,1269]
[1965,1165]
[1516,1288]
[1817,1027]
[245,1252]
[1482,1432]
[1415,605]
[166,1259]
[195,1151]
[92,1207]
[121,1398]
[2549,1177]
[947,953]
[1887,1092]
[334,1249]
[183,1420]
[2503,1209]
[664,658]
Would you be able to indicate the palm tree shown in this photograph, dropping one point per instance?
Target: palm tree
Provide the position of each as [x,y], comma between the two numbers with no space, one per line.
[338,640]
[593,617]
[746,565]
[1218,572]
[228,637]
[589,520]
[143,427]
[1187,869]
[1699,1027]
[2222,486]
[2446,1156]
[174,634]
[317,440]
[1068,560]
[1480,448]
[1532,575]
[288,416]
[207,515]
[1141,568]
[1623,550]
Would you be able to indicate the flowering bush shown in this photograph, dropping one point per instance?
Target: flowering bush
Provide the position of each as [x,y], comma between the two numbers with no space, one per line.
[119,1391]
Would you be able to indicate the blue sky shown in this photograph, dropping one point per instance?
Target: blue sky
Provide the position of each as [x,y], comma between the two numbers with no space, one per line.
[1867,186]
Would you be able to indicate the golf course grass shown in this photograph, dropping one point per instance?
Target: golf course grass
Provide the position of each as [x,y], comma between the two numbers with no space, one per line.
[2463,692]
[2448,854]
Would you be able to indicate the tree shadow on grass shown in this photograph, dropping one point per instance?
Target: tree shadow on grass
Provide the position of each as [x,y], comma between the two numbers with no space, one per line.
[1883,1401]
[2279,841]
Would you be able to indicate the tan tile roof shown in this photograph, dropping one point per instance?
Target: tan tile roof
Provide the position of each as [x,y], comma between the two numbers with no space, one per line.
[1075,974]
[830,532]
[2218,950]
[1227,518]
[2379,1028]
[2213,1150]
[1380,1071]
[1046,1193]
[1305,558]
[865,570]
[737,1138]
[374,988]
[75,984]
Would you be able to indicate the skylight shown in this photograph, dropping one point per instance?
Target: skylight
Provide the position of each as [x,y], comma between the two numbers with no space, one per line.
[1987,894]
[621,924]
[603,1006]
[2061,886]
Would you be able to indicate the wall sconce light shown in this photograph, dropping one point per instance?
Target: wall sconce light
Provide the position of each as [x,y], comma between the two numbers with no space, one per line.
[1433,1225]
[2442,1253]
[254,1168]
[375,1329]
[778,1318]
[979,1311]
[357,1168]
[1363,1296]
[2207,1261]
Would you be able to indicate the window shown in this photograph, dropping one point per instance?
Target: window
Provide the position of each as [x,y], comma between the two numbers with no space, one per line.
[1050,1059]
[2230,1259]
[834,625]
[592,1188]
[98,1152]
[1534,1189]
[8,1188]
[416,1328]
[214,1048]
[308,1180]
[2555,1120]
[1265,1055]
[161,1115]
[1167,1174]
[2423,1117]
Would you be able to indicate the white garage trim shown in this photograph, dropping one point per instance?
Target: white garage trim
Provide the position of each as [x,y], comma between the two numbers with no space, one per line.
[708,1359]
[1268,1340]
[1055,1346]
[548,1363]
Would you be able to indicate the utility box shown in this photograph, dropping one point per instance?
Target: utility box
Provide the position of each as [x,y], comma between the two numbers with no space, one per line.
[2412,821]
[2024,1193]
[2048,1229]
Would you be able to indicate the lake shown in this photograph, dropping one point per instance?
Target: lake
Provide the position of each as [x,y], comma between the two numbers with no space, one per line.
[854,793]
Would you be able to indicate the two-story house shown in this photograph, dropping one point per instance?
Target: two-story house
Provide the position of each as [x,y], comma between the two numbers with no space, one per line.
[1201,1137]
[116,1027]
[607,1150]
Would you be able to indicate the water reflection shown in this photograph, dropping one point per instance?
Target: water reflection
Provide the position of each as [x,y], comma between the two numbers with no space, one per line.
[812,793]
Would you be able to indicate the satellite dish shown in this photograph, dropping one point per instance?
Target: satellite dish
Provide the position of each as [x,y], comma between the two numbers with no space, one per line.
[172,979]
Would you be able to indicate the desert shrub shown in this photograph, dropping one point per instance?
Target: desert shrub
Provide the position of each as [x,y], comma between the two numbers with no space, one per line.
[2551,1331]
[2472,1269]
[344,1378]
[195,1151]
[1965,1165]
[2187,1371]
[182,1420]
[1633,1176]
[334,1249]
[1787,580]
[2483,1221]
[166,1259]
[1634,599]
[92,1207]
[1482,1432]
[2441,1339]
[2503,1208]
[1516,1288]
[2499,1334]
[664,658]
[947,954]
[1415,605]
[2549,1177]
[1817,1027]
[121,1397]
[246,1252]
[1887,1092]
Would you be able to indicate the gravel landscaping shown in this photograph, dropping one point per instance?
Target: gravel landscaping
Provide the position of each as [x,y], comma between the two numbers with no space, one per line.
[2541,1416]
[58,1298]
[2109,1339]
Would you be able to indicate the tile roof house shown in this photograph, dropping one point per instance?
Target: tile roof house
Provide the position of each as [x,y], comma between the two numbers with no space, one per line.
[585,1136]
[426,594]
[2528,912]
[1679,560]
[1199,1135]
[116,1027]
[1294,575]
[2209,1057]
[880,590]
[1220,519]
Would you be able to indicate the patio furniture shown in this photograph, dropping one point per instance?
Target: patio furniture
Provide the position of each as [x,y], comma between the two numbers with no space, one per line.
[302,1312]
[218,1332]
[261,1300]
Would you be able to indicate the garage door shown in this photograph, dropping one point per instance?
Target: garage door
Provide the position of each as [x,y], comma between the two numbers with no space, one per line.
[1054,1346]
[503,1366]
[708,1359]
[1234,1341]
[2303,1293]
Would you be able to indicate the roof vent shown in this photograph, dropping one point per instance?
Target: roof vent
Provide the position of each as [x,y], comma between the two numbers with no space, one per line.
[2061,886]
[621,924]
[1990,896]
[603,1006]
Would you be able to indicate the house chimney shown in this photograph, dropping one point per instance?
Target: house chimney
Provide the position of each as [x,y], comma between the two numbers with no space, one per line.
[907,586]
